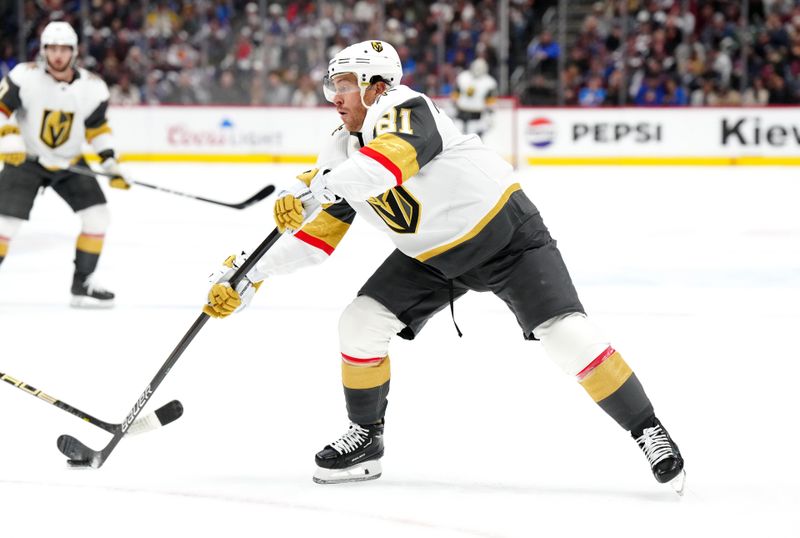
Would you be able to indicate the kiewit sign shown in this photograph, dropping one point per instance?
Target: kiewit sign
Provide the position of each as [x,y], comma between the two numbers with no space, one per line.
[753,131]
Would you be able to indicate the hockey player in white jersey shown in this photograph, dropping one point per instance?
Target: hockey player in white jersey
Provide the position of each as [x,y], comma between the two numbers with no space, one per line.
[48,109]
[459,222]
[474,97]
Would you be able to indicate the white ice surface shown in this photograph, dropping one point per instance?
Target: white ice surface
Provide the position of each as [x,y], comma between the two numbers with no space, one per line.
[694,273]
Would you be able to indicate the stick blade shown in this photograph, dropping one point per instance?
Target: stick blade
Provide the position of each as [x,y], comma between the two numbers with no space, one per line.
[257,197]
[78,454]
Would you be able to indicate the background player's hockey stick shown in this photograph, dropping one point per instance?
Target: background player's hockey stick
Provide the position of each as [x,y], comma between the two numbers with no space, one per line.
[257,197]
[161,417]
[81,455]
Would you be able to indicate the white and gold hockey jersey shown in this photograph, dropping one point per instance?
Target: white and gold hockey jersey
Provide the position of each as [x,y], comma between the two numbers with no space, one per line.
[474,94]
[56,118]
[443,198]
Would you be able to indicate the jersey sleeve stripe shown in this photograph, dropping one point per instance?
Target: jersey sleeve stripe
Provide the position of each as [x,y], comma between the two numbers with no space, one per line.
[92,133]
[356,360]
[400,152]
[314,242]
[476,229]
[5,110]
[383,161]
[327,229]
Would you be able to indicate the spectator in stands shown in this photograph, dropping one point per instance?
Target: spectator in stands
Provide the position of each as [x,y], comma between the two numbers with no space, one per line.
[651,93]
[779,94]
[703,93]
[183,91]
[123,93]
[226,91]
[593,94]
[757,94]
[155,89]
[674,94]
[277,91]
[725,96]
[162,22]
[306,92]
[544,52]
[7,59]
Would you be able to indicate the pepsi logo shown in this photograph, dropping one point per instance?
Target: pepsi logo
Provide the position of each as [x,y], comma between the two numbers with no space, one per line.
[540,132]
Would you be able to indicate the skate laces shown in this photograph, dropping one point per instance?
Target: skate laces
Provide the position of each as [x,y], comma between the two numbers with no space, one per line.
[655,444]
[92,286]
[351,440]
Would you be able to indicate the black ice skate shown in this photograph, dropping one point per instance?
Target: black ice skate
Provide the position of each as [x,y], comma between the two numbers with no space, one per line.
[353,458]
[87,294]
[663,454]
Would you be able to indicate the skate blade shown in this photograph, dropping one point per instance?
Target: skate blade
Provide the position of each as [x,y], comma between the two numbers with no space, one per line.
[679,483]
[79,301]
[368,470]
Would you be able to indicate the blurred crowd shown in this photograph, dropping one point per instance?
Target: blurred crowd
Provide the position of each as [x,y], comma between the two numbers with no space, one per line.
[237,52]
[710,54]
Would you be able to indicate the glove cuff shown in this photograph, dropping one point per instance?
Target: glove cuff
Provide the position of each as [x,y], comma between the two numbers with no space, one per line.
[321,193]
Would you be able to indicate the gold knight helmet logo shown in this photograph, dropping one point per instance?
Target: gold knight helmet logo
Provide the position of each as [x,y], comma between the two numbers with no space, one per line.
[378,46]
[56,126]
[399,210]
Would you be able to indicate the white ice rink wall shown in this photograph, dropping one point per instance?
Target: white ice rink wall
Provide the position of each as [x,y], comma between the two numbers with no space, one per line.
[525,136]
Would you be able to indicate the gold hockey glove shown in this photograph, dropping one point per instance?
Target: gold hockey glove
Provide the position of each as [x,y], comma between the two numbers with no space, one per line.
[14,159]
[288,213]
[116,181]
[223,300]
[301,201]
[12,147]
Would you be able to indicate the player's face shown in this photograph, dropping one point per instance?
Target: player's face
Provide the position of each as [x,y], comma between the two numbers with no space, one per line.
[58,56]
[348,101]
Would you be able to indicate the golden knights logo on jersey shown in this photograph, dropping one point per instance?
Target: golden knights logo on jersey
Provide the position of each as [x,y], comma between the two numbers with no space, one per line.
[398,209]
[56,126]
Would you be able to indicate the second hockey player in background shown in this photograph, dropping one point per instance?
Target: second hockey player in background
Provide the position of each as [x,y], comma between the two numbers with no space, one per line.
[474,98]
[48,109]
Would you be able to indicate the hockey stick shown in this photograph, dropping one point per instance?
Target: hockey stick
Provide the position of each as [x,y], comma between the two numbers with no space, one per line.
[81,455]
[257,197]
[161,417]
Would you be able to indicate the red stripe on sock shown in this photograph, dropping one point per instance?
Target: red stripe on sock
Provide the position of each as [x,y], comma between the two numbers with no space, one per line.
[314,242]
[595,363]
[348,358]
[384,161]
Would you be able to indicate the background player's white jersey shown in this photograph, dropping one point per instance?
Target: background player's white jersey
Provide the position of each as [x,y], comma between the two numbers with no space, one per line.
[474,93]
[56,118]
